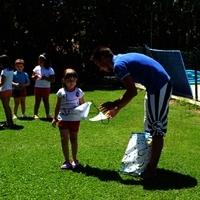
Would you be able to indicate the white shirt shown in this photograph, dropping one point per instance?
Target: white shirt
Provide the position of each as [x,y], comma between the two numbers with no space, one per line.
[69,101]
[42,71]
[9,78]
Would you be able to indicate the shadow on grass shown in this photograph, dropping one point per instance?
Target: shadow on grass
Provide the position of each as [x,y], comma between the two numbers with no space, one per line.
[168,179]
[103,174]
[165,180]
[26,118]
[13,127]
[46,119]
[32,118]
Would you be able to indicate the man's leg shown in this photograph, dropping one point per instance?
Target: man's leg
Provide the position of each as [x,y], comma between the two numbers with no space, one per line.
[156,110]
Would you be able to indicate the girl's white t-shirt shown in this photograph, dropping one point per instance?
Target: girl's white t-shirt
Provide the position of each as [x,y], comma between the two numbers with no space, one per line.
[9,78]
[69,101]
[42,71]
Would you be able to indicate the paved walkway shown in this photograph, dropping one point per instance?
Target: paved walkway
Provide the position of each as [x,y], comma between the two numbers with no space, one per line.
[194,100]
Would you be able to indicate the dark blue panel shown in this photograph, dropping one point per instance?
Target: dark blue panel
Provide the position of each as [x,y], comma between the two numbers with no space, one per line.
[173,63]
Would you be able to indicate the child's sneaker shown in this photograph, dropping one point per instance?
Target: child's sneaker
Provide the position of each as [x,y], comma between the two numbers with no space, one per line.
[49,116]
[66,165]
[74,163]
[2,125]
[24,116]
[36,117]
[14,117]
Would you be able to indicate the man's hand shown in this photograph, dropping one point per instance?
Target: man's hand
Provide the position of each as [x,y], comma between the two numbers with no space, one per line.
[104,107]
[112,113]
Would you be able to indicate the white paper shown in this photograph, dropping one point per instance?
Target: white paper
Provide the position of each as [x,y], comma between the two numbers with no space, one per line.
[82,111]
[100,116]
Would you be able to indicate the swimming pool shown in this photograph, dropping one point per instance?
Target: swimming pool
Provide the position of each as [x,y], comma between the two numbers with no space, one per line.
[191,76]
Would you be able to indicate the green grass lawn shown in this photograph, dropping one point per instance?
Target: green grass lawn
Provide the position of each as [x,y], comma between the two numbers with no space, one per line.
[30,158]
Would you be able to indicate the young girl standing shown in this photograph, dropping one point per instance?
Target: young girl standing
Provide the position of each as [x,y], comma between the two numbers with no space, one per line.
[68,98]
[6,87]
[20,82]
[43,75]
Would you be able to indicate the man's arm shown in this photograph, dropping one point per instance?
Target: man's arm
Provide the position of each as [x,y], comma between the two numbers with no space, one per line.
[131,91]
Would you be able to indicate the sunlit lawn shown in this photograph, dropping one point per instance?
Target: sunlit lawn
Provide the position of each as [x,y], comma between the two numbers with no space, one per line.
[30,158]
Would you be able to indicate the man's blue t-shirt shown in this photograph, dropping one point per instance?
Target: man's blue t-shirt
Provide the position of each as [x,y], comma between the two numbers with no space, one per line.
[20,77]
[143,70]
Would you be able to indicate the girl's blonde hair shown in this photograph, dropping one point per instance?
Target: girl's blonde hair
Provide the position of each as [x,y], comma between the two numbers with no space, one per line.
[69,73]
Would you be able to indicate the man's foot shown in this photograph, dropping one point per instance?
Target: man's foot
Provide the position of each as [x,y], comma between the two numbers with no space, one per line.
[148,174]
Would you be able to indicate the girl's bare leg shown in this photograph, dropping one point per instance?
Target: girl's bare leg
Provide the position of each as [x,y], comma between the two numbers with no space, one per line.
[64,135]
[74,143]
[23,106]
[16,102]
[8,111]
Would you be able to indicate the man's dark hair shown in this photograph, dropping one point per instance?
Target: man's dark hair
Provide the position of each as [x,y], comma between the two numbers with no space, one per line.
[101,51]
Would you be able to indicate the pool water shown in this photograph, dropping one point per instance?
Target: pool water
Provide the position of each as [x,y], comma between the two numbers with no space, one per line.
[191,76]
